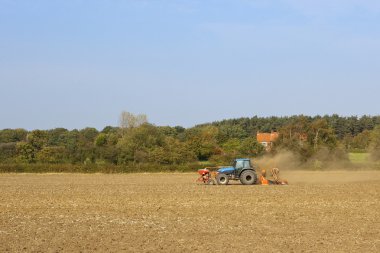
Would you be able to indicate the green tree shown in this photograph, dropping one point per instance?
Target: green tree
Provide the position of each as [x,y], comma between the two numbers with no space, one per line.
[232,147]
[203,141]
[361,141]
[12,135]
[8,152]
[178,152]
[51,155]
[88,135]
[375,144]
[56,137]
[26,152]
[321,134]
[251,148]
[101,140]
[227,132]
[137,142]
[70,141]
[306,137]
[38,139]
[85,149]
[110,129]
[172,152]
[106,149]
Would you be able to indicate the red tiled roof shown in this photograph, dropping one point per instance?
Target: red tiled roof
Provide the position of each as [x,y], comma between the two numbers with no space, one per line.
[267,137]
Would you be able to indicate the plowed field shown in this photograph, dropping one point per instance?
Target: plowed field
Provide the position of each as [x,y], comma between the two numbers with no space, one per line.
[318,211]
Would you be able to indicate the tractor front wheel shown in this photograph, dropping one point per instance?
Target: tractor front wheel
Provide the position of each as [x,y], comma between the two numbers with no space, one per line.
[222,179]
[248,177]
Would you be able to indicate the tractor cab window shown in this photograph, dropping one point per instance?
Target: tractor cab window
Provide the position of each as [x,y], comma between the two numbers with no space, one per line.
[246,165]
[239,164]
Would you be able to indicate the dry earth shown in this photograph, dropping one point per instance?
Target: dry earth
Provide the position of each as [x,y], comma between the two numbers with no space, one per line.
[319,211]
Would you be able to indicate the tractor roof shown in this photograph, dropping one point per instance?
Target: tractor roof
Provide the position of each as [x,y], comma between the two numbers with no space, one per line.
[242,159]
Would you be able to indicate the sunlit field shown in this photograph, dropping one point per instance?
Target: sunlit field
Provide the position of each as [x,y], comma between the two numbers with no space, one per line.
[318,211]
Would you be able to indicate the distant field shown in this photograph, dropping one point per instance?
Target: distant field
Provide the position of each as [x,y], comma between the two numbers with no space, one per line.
[359,157]
[318,211]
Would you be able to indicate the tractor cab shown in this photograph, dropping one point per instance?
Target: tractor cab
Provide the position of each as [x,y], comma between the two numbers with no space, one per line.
[240,164]
[241,169]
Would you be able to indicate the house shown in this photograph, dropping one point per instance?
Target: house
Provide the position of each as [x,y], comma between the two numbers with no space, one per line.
[267,139]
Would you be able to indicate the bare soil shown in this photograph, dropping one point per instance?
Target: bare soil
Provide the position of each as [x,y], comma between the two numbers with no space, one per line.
[318,211]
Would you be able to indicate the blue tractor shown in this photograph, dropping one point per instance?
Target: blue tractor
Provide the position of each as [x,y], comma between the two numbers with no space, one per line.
[242,170]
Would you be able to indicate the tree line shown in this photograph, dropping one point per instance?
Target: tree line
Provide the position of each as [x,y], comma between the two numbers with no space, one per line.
[135,141]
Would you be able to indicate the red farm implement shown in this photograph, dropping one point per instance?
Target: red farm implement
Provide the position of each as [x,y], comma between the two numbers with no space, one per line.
[207,175]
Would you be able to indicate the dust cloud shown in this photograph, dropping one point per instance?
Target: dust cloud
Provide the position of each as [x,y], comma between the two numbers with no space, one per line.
[323,167]
[284,160]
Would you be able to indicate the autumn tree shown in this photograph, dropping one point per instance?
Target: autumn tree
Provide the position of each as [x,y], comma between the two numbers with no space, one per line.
[361,141]
[135,145]
[306,137]
[54,154]
[26,152]
[203,141]
[37,138]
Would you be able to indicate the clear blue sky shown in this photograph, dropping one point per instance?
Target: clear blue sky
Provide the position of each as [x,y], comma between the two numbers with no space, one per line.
[80,63]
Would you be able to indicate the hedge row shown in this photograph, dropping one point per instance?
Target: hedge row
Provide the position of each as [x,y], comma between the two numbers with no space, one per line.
[94,168]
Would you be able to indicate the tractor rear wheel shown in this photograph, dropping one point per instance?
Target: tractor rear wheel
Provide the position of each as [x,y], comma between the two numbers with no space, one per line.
[222,179]
[248,177]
